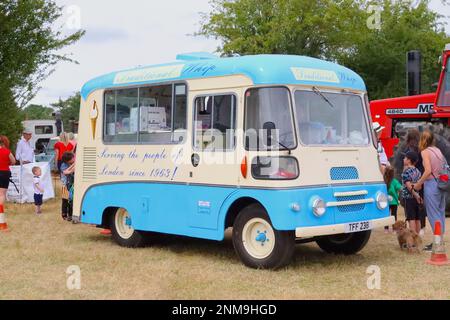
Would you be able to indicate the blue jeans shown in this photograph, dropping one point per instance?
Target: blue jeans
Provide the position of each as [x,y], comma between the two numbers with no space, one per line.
[435,203]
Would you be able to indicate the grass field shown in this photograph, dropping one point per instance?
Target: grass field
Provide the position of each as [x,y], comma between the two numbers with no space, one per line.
[37,251]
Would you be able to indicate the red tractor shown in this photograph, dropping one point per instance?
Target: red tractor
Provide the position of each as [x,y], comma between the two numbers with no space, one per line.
[421,111]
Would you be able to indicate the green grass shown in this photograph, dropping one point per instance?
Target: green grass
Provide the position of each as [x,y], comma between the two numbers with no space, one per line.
[38,249]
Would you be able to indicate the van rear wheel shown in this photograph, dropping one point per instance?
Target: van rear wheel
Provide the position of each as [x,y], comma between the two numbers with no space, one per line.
[347,244]
[122,231]
[258,244]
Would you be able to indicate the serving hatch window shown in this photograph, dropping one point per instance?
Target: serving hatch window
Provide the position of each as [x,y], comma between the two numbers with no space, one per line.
[147,115]
[331,118]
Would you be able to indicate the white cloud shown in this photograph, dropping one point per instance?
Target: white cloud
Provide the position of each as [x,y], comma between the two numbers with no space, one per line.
[122,34]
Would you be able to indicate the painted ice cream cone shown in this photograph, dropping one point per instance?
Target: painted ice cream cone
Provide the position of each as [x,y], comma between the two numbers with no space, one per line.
[93,124]
[94,116]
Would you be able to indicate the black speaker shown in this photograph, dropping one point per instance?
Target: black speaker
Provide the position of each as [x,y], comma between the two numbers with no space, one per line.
[414,73]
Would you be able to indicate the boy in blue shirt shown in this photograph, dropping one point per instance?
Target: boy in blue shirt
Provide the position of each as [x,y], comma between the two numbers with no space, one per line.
[412,199]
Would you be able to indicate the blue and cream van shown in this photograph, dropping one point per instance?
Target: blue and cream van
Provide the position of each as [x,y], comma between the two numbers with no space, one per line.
[277,147]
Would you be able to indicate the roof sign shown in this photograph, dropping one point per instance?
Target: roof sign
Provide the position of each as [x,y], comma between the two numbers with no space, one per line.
[149,74]
[315,75]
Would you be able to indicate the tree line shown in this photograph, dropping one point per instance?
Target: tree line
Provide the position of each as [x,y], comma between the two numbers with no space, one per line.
[370,37]
[30,42]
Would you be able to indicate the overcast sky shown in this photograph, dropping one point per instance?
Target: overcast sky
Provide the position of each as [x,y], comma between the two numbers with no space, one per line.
[122,34]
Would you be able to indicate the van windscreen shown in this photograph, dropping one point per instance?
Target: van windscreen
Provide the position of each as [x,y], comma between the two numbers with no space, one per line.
[331,118]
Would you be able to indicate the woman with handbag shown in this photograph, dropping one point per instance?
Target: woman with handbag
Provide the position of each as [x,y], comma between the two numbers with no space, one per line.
[433,162]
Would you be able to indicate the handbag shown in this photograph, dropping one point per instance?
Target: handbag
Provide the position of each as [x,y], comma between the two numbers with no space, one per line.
[64,193]
[444,175]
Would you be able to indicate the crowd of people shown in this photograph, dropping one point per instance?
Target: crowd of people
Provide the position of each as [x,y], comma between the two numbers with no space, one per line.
[418,192]
[65,150]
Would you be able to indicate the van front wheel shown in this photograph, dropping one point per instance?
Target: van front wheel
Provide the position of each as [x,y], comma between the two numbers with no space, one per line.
[122,231]
[258,244]
[347,244]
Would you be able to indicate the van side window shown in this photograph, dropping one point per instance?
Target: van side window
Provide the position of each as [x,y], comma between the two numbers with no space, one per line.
[121,116]
[146,115]
[268,119]
[215,122]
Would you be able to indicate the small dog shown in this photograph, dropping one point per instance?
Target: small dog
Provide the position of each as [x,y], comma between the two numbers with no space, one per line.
[407,239]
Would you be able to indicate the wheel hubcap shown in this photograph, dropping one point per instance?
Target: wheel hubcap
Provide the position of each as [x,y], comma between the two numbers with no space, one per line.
[123,224]
[258,238]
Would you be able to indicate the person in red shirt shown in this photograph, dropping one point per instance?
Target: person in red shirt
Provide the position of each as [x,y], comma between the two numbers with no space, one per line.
[6,159]
[61,147]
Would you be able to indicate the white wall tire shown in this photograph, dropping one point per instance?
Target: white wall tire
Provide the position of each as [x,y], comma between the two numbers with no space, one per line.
[122,222]
[258,238]
[257,243]
[123,232]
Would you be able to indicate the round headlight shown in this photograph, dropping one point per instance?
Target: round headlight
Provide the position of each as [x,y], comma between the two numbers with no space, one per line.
[319,207]
[382,201]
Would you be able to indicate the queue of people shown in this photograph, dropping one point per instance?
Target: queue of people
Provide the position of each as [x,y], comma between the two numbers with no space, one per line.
[418,191]
[64,160]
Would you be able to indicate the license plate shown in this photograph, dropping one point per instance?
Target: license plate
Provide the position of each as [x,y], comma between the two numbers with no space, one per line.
[358,227]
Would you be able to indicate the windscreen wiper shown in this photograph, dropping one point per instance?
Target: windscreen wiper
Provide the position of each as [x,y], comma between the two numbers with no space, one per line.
[283,146]
[320,94]
[286,148]
[269,126]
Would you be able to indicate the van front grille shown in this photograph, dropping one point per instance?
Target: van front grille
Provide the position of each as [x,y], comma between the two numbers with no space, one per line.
[344,173]
[353,207]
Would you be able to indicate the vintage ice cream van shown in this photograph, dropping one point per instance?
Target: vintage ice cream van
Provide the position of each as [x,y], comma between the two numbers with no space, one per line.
[277,147]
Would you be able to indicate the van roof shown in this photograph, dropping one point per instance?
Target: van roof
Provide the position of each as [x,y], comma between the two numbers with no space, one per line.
[261,69]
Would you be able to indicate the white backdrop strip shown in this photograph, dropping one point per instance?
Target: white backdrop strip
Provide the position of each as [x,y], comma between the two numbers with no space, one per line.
[23,178]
